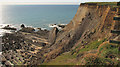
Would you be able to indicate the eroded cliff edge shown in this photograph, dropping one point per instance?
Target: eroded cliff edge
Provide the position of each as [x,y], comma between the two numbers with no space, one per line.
[92,22]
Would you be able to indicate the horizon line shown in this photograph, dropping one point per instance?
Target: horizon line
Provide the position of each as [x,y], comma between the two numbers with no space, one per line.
[40,3]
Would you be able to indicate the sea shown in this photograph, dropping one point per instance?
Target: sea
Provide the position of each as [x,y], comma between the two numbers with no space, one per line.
[37,16]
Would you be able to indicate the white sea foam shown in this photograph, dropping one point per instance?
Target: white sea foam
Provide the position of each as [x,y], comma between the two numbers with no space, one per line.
[0,53]
[17,26]
[3,31]
[54,25]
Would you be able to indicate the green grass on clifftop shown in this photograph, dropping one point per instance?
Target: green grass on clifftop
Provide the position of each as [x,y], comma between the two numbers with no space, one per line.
[104,3]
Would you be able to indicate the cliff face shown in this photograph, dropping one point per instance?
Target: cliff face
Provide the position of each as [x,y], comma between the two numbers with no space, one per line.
[92,22]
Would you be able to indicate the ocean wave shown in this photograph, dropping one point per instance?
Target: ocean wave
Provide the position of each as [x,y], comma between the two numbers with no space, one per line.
[57,25]
[3,31]
[17,26]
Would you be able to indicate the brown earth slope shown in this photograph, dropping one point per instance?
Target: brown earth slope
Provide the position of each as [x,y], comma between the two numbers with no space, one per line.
[92,22]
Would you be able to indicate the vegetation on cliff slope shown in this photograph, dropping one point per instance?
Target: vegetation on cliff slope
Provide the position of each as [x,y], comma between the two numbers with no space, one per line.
[106,54]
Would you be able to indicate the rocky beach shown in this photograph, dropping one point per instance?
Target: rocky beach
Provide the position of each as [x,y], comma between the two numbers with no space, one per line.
[24,46]
[91,38]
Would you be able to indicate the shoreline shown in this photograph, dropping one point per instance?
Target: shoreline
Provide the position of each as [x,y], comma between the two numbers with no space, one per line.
[13,28]
[27,42]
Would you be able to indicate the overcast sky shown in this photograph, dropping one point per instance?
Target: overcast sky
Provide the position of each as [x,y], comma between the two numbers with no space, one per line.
[56,1]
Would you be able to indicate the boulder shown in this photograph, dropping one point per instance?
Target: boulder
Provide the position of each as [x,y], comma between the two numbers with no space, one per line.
[53,35]
[42,32]
[28,29]
[43,44]
[8,63]
[22,26]
[9,28]
[32,49]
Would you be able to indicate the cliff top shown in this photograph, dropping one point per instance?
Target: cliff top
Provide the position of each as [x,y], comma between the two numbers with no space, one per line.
[101,3]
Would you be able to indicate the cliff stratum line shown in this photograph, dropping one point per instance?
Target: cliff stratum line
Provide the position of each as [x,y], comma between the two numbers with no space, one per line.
[91,38]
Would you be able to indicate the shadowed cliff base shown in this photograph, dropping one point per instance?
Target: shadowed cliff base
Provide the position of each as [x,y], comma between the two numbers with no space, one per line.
[84,41]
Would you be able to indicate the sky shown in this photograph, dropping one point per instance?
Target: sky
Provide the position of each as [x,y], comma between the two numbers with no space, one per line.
[54,1]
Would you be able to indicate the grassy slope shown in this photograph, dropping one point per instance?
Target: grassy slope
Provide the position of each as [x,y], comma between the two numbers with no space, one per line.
[68,59]
[92,46]
[63,59]
[110,53]
[103,55]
